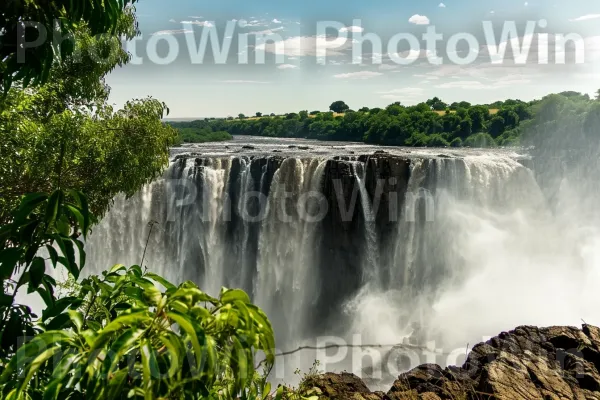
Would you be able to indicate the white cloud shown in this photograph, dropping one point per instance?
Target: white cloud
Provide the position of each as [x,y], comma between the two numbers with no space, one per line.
[526,4]
[352,29]
[387,67]
[267,32]
[276,21]
[442,5]
[172,20]
[478,85]
[253,23]
[287,66]
[358,75]
[585,17]
[419,20]
[195,17]
[301,46]
[409,94]
[242,81]
[206,24]
[172,32]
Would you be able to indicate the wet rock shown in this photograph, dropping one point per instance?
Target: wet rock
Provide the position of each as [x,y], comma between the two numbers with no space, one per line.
[247,147]
[186,156]
[303,148]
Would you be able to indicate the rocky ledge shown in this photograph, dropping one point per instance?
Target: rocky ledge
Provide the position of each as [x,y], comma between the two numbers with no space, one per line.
[528,363]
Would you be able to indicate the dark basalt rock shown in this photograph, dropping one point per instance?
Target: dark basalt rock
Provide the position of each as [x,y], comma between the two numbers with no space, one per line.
[528,363]
[186,156]
[248,147]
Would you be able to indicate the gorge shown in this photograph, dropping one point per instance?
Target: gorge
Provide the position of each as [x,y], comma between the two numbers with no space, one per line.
[355,244]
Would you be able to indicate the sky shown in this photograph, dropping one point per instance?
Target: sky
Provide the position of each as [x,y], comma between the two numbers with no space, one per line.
[285,56]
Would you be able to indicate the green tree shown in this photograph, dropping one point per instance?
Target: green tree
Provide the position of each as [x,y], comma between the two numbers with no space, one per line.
[339,107]
[497,126]
[259,114]
[436,104]
[66,135]
[31,61]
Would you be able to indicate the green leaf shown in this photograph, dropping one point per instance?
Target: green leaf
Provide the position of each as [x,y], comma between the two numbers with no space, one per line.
[36,272]
[59,306]
[148,363]
[81,251]
[188,327]
[233,295]
[122,345]
[36,364]
[116,383]
[53,254]
[77,215]
[52,390]
[29,203]
[25,353]
[168,285]
[59,322]
[53,207]
[116,268]
[8,261]
[62,226]
[76,318]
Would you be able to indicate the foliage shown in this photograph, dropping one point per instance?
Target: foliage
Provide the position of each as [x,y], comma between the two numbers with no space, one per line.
[425,124]
[339,106]
[65,134]
[480,140]
[456,142]
[28,21]
[41,222]
[200,135]
[146,343]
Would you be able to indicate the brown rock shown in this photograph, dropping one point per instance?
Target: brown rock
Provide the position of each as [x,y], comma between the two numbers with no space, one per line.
[527,363]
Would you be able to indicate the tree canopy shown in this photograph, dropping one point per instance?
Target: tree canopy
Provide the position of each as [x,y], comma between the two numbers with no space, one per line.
[27,48]
[65,134]
[339,107]
[433,123]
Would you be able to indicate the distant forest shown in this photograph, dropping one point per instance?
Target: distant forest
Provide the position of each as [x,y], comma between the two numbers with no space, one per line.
[432,123]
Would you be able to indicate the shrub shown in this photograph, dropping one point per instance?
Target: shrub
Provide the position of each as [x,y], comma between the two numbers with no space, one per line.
[118,336]
[456,142]
[483,140]
[437,141]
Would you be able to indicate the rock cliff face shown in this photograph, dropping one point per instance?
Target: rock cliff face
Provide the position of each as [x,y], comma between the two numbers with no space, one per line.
[527,363]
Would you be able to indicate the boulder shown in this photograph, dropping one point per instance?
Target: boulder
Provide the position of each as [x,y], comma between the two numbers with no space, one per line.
[344,386]
[527,363]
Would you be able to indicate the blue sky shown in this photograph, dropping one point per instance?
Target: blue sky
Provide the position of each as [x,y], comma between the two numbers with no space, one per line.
[305,68]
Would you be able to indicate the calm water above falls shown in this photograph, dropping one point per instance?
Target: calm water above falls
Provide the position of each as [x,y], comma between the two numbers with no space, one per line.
[441,247]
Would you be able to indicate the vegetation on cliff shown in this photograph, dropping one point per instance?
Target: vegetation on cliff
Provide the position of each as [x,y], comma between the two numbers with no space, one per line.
[197,132]
[433,123]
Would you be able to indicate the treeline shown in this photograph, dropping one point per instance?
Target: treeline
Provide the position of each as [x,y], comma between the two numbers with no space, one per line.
[198,132]
[432,123]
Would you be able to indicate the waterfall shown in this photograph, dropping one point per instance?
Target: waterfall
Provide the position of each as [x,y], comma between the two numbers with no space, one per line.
[371,259]
[472,250]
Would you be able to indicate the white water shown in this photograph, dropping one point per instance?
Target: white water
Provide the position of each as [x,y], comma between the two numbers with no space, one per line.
[371,273]
[482,254]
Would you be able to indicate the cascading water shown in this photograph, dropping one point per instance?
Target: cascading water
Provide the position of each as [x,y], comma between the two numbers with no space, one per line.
[371,266]
[472,249]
